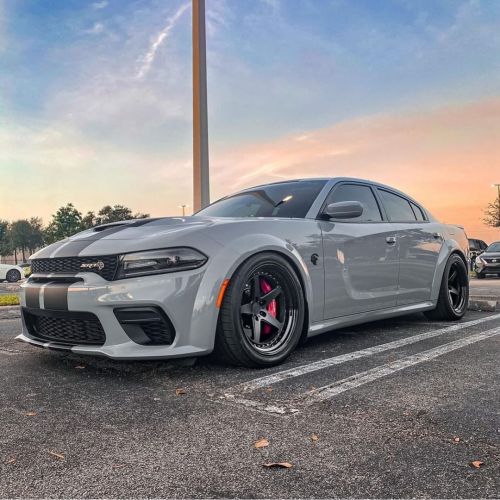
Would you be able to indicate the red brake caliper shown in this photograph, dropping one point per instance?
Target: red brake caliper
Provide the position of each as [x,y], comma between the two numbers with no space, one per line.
[271,308]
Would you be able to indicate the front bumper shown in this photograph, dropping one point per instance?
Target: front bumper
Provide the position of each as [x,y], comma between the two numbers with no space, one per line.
[175,294]
[487,267]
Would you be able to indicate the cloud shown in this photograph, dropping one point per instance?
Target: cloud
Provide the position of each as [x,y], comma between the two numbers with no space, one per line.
[447,157]
[148,59]
[100,5]
[96,29]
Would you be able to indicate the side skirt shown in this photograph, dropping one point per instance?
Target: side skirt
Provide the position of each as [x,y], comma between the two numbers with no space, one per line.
[366,317]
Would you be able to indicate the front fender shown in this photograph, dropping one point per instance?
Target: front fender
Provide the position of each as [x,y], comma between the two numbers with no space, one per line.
[223,266]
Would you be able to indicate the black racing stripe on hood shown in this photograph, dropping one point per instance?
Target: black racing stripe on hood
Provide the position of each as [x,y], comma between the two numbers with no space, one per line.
[74,248]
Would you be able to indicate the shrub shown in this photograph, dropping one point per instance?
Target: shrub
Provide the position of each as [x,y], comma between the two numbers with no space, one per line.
[9,300]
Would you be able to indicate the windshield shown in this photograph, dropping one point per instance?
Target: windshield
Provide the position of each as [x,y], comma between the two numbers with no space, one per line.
[494,247]
[286,199]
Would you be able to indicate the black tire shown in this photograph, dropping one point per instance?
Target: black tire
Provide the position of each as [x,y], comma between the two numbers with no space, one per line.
[480,276]
[13,276]
[262,313]
[453,293]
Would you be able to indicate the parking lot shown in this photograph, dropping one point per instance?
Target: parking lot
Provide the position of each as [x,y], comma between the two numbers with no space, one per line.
[398,408]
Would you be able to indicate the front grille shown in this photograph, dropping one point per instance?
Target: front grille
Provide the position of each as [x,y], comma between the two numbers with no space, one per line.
[72,265]
[70,328]
[493,261]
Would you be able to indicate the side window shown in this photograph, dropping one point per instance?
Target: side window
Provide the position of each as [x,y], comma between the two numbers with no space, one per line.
[417,211]
[363,194]
[398,208]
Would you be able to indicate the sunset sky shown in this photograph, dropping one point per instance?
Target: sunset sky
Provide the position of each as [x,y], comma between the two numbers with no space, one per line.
[95,100]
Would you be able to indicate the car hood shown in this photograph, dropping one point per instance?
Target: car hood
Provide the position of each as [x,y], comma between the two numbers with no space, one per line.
[491,255]
[132,235]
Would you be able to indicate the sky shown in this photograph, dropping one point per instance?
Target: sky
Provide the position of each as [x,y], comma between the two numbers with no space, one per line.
[95,101]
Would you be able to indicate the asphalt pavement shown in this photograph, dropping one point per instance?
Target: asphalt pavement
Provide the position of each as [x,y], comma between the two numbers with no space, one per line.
[398,408]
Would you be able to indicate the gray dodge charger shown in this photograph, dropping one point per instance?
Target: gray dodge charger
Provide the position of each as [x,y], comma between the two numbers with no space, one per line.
[248,277]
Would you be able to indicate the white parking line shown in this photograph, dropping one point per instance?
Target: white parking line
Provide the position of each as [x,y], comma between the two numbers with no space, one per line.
[261,382]
[331,390]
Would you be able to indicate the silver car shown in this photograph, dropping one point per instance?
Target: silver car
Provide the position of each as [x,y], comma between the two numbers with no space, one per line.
[489,261]
[248,277]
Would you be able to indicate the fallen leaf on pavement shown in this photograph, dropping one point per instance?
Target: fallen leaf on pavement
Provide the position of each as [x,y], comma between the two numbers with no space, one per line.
[457,439]
[60,456]
[269,389]
[31,414]
[314,437]
[282,465]
[261,443]
[180,392]
[476,464]
[11,461]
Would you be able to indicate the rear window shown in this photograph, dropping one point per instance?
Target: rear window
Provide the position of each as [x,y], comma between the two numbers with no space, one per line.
[398,208]
[285,199]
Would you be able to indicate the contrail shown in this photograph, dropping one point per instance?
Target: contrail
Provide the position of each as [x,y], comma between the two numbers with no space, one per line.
[162,36]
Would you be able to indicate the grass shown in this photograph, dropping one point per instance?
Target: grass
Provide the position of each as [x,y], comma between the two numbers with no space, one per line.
[9,300]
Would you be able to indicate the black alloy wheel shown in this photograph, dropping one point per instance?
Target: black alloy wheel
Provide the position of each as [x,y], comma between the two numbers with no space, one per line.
[262,314]
[453,296]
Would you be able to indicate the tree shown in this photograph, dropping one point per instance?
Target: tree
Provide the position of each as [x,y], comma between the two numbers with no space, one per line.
[6,248]
[65,222]
[492,214]
[20,231]
[116,213]
[89,220]
[36,236]
[109,214]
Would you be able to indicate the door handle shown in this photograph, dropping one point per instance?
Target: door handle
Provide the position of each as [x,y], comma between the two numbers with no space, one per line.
[391,240]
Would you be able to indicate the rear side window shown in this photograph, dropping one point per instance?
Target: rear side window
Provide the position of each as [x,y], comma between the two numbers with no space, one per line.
[417,211]
[398,208]
[363,194]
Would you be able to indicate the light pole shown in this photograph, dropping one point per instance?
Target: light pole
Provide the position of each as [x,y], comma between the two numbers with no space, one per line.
[201,185]
[183,209]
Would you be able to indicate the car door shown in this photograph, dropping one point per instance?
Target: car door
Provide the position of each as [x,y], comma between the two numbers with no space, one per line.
[360,256]
[420,243]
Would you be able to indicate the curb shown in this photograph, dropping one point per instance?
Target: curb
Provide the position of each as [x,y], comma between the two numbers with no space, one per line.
[10,312]
[485,304]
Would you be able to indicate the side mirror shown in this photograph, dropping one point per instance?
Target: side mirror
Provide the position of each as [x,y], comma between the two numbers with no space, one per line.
[344,210]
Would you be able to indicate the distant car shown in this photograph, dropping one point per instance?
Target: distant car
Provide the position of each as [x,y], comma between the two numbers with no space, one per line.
[11,273]
[476,248]
[489,261]
[248,276]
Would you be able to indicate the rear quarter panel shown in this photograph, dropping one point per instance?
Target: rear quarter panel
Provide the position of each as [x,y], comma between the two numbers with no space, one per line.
[454,241]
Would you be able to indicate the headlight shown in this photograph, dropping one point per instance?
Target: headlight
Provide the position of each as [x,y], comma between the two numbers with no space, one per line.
[167,260]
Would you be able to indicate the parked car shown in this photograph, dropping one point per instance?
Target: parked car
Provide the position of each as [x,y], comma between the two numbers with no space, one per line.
[247,277]
[489,261]
[11,273]
[476,247]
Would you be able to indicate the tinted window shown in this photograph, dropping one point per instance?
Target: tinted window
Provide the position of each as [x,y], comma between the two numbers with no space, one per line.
[398,208]
[494,247]
[286,199]
[473,245]
[417,211]
[363,194]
